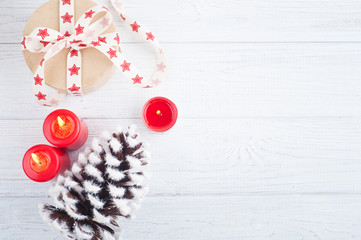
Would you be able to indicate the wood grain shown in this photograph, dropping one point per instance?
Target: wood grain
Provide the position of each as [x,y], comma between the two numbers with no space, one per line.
[221,20]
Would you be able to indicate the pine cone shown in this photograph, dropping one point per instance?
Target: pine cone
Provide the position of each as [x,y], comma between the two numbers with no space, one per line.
[104,185]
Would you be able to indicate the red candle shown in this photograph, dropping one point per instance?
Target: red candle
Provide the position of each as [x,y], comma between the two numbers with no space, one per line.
[41,163]
[64,129]
[160,114]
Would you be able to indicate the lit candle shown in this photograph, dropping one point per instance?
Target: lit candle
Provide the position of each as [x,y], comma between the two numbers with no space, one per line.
[64,129]
[160,114]
[42,163]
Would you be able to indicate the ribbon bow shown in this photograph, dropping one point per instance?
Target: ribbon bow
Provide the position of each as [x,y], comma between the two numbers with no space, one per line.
[81,35]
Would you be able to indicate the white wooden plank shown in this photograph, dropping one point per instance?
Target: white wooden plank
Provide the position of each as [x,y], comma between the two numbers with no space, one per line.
[213,80]
[212,218]
[220,20]
[220,157]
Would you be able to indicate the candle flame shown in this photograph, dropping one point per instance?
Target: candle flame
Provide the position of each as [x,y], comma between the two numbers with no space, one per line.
[159,113]
[61,122]
[35,157]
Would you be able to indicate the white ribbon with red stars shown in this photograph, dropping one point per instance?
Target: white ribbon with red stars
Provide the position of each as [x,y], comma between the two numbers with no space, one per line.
[81,35]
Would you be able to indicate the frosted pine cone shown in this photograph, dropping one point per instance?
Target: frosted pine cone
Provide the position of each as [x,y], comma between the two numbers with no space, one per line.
[104,185]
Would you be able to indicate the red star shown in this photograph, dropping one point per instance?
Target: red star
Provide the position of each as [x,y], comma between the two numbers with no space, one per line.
[135,26]
[42,61]
[121,15]
[67,17]
[74,88]
[117,39]
[74,70]
[95,43]
[161,67]
[103,40]
[82,45]
[150,36]
[66,2]
[125,66]
[43,33]
[79,29]
[67,34]
[112,53]
[44,43]
[75,41]
[23,42]
[137,79]
[74,53]
[40,96]
[89,14]
[60,38]
[38,80]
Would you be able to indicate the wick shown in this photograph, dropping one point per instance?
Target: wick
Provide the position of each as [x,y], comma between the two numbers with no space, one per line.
[61,122]
[159,113]
[35,157]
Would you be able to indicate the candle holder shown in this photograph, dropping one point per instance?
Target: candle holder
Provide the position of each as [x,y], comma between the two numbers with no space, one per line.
[42,163]
[64,129]
[159,114]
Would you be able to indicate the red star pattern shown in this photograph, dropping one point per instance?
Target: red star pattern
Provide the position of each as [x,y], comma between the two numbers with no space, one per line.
[89,14]
[125,66]
[74,88]
[150,36]
[95,43]
[40,96]
[42,61]
[43,33]
[60,38]
[79,30]
[102,39]
[44,43]
[112,53]
[117,39]
[38,80]
[67,34]
[66,2]
[82,45]
[137,79]
[121,15]
[74,70]
[73,53]
[75,41]
[135,26]
[161,67]
[23,42]
[67,17]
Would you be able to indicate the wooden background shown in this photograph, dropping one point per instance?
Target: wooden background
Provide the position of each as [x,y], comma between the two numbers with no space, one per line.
[268,142]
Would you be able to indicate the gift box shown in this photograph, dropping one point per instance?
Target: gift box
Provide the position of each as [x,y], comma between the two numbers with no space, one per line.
[97,68]
[72,47]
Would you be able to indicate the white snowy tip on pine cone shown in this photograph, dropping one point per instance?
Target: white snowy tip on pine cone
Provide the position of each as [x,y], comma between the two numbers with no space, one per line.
[137,193]
[45,215]
[91,187]
[134,162]
[94,159]
[147,154]
[68,173]
[122,204]
[82,159]
[106,135]
[87,151]
[60,179]
[114,174]
[75,168]
[71,184]
[115,191]
[115,145]
[132,142]
[101,218]
[94,172]
[137,179]
[110,160]
[119,129]
[84,231]
[70,210]
[95,201]
[134,206]
[55,192]
[96,146]
[108,236]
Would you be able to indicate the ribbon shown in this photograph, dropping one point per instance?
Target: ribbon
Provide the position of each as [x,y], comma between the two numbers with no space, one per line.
[81,35]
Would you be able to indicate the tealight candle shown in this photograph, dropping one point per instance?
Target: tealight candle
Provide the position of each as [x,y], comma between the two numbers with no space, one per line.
[160,114]
[64,129]
[41,163]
